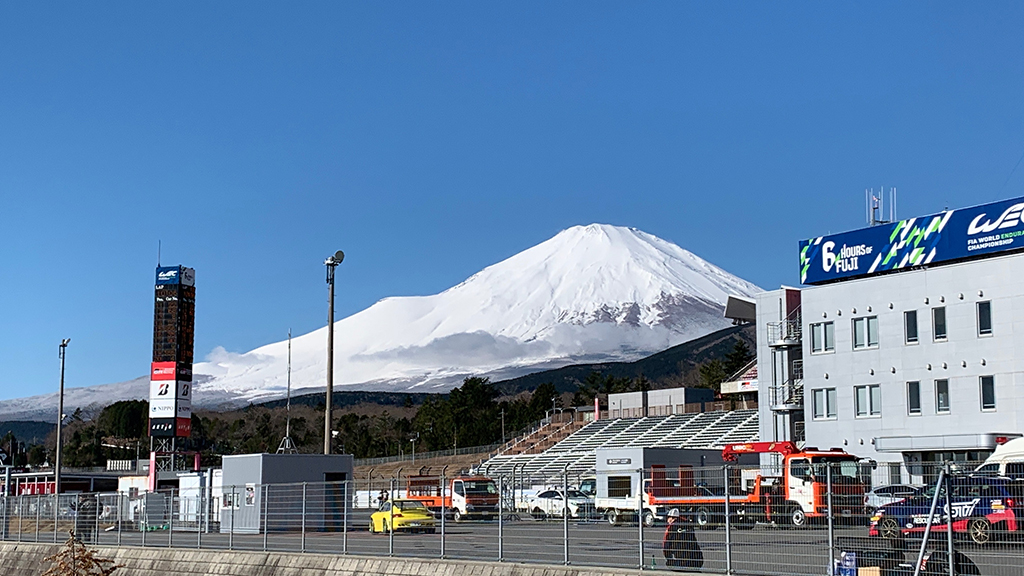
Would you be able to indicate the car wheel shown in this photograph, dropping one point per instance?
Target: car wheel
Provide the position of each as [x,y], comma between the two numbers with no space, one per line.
[613,517]
[538,514]
[386,527]
[457,515]
[797,517]
[979,530]
[703,518]
[371,527]
[649,519]
[890,529]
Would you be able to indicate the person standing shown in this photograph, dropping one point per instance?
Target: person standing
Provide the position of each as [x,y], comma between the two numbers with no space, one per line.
[680,545]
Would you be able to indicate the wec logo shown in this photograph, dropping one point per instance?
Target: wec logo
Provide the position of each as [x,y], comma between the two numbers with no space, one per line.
[1010,217]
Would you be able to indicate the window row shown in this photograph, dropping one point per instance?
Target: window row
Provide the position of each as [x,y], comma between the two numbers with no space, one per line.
[867,399]
[865,329]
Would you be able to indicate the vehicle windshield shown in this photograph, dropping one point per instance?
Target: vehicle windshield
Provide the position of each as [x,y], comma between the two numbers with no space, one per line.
[842,469]
[988,470]
[411,506]
[477,487]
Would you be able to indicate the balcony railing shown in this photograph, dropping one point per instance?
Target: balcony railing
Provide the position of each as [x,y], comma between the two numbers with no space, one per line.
[788,396]
[784,333]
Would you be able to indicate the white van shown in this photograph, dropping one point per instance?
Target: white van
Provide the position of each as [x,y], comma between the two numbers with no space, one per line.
[1007,460]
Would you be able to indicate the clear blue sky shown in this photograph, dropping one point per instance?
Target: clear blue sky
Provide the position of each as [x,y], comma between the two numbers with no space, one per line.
[429,140]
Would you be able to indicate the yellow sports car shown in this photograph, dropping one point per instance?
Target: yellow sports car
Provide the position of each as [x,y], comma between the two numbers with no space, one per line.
[406,515]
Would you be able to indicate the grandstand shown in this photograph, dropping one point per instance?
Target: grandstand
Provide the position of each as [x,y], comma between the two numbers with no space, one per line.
[576,453]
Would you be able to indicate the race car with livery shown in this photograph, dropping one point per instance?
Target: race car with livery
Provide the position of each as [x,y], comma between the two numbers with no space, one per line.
[981,508]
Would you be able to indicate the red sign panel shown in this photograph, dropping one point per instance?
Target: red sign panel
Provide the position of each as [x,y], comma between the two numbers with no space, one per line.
[183,428]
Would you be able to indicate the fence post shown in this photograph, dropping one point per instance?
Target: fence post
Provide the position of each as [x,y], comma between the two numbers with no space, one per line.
[831,525]
[391,519]
[266,515]
[120,515]
[444,512]
[949,520]
[56,515]
[201,503]
[565,515]
[303,517]
[99,510]
[38,513]
[231,527]
[170,521]
[21,514]
[640,513]
[501,510]
[931,518]
[728,523]
[143,514]
[344,519]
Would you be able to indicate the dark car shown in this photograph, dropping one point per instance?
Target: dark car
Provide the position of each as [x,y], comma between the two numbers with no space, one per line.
[981,508]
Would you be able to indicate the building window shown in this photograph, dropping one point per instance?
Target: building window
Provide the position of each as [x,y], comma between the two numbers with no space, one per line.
[910,326]
[868,400]
[865,332]
[988,393]
[984,318]
[942,396]
[823,337]
[824,403]
[913,398]
[939,323]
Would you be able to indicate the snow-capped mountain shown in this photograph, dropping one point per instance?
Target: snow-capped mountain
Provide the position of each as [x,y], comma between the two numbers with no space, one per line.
[594,292]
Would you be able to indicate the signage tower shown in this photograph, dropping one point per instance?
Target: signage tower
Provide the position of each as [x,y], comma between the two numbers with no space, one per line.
[170,385]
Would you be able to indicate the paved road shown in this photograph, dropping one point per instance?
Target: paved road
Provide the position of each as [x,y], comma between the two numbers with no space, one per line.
[763,550]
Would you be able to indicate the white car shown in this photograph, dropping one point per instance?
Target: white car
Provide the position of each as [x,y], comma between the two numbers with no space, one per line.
[550,503]
[888,494]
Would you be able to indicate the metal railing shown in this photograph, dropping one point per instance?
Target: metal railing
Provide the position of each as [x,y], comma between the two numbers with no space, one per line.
[425,455]
[731,519]
[784,333]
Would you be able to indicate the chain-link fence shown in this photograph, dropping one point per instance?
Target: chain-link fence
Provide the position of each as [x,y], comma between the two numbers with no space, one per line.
[804,516]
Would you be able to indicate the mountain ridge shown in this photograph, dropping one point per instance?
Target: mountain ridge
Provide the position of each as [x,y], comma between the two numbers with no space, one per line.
[595,293]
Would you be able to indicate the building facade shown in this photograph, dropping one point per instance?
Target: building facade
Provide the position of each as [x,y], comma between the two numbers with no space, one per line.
[922,364]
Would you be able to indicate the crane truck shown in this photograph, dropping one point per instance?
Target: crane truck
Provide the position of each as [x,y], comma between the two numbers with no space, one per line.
[794,494]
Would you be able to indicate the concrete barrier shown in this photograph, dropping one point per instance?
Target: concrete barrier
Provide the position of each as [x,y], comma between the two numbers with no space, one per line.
[21,559]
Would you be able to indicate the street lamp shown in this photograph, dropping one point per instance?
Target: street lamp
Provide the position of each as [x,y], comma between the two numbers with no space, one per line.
[60,417]
[331,263]
[413,440]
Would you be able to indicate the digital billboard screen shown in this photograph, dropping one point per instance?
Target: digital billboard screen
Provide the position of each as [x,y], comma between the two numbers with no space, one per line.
[942,237]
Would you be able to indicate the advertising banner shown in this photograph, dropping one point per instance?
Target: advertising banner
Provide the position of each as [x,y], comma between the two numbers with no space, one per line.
[164,408]
[184,409]
[185,391]
[176,275]
[942,237]
[161,427]
[170,371]
[183,427]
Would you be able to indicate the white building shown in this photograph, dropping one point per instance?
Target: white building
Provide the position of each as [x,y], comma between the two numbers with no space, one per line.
[920,362]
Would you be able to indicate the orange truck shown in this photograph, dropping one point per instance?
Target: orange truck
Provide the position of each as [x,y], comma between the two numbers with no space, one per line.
[795,494]
[463,497]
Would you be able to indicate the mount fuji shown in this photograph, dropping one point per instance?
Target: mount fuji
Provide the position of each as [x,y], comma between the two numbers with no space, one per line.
[590,293]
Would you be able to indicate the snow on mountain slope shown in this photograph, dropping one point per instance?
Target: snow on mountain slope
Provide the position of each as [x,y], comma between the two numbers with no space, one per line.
[590,293]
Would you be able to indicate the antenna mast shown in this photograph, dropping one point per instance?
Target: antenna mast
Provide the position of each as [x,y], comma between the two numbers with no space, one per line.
[876,206]
[287,446]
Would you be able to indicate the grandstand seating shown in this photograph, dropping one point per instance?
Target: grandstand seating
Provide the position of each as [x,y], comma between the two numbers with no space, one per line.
[576,453]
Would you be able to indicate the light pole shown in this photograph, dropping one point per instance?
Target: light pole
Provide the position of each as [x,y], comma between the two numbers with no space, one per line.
[331,263]
[413,440]
[60,417]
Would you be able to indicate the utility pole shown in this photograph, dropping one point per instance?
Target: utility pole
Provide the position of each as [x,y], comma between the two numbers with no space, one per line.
[60,418]
[331,263]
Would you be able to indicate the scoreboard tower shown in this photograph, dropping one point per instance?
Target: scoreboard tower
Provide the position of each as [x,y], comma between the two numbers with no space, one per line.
[170,385]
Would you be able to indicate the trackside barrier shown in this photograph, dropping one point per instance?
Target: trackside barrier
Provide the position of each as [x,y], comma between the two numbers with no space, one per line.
[815,521]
